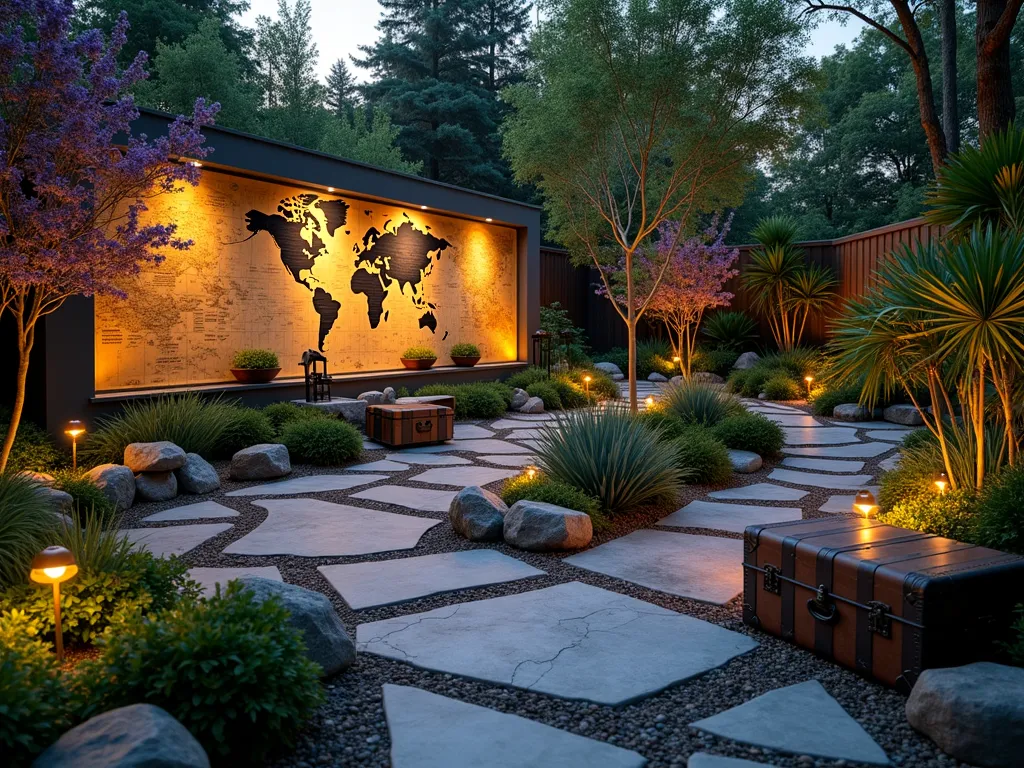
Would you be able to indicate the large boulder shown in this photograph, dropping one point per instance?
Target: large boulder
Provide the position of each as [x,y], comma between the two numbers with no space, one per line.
[477,515]
[519,398]
[707,377]
[161,456]
[117,483]
[908,415]
[655,376]
[744,462]
[136,736]
[540,527]
[609,368]
[533,405]
[975,713]
[327,642]
[39,478]
[62,502]
[156,486]
[197,475]
[851,412]
[373,397]
[264,461]
[746,360]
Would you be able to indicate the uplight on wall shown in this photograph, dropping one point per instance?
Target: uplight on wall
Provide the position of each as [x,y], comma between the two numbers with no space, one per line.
[423,207]
[330,189]
[488,219]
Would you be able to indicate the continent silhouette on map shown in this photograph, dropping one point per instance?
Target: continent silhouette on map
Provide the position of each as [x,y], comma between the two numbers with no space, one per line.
[328,309]
[335,213]
[366,282]
[429,321]
[295,253]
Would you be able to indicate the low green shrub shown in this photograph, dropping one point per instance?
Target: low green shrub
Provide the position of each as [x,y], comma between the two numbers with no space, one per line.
[87,496]
[824,399]
[525,378]
[613,456]
[1000,512]
[652,356]
[543,488]
[254,358]
[783,387]
[750,432]
[464,349]
[419,353]
[751,382]
[618,356]
[696,402]
[322,441]
[96,543]
[704,458]
[246,426]
[230,669]
[666,424]
[548,392]
[282,413]
[34,701]
[571,394]
[717,361]
[797,362]
[730,330]
[27,525]
[950,514]
[33,447]
[479,400]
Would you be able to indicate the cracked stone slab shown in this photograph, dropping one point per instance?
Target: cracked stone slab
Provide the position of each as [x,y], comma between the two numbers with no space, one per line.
[822,465]
[728,517]
[855,451]
[892,435]
[706,568]
[801,719]
[819,435]
[471,431]
[510,461]
[432,731]
[315,528]
[792,419]
[175,540]
[307,484]
[760,492]
[384,465]
[420,499]
[427,459]
[567,641]
[844,502]
[203,509]
[815,480]
[209,578]
[386,582]
[460,477]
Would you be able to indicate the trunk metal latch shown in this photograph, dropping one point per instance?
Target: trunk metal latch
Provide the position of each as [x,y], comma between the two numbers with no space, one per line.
[879,620]
[772,582]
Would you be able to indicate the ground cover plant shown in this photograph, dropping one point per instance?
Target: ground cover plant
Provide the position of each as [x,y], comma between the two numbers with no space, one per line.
[33,448]
[477,400]
[703,456]
[542,488]
[327,442]
[750,432]
[87,498]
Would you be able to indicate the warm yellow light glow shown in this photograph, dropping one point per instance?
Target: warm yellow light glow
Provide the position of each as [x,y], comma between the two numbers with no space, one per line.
[808,379]
[587,379]
[649,401]
[677,359]
[56,572]
[330,189]
[942,482]
[74,432]
[196,164]
[423,207]
[488,219]
[864,504]
[531,472]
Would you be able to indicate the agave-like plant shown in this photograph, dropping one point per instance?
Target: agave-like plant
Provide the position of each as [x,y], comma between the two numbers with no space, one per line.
[812,289]
[613,455]
[697,402]
[730,330]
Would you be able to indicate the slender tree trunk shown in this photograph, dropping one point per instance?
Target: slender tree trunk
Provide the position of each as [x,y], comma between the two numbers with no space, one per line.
[996,107]
[979,427]
[631,331]
[950,114]
[26,338]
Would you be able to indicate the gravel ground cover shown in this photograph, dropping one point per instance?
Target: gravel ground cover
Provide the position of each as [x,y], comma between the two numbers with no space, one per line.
[350,728]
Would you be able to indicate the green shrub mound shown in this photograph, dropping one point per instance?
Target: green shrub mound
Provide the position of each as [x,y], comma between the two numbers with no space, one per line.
[652,356]
[419,353]
[479,400]
[602,386]
[793,366]
[665,424]
[229,668]
[950,515]
[548,392]
[255,359]
[247,426]
[613,456]
[750,432]
[86,495]
[33,447]
[27,525]
[695,402]
[322,441]
[783,387]
[1000,513]
[34,701]
[825,399]
[464,349]
[525,378]
[730,330]
[543,488]
[717,361]
[704,458]
[570,393]
[282,413]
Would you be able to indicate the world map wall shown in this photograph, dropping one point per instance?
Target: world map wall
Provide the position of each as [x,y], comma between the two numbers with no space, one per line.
[289,269]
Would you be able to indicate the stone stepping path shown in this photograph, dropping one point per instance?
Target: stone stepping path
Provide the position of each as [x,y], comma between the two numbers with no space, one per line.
[855,451]
[874,425]
[517,423]
[384,465]
[427,459]
[487,445]
[369,445]
[315,528]
[528,417]
[526,434]
[368,585]
[420,499]
[471,431]
[819,435]
[176,540]
[705,568]
[308,484]
[432,731]
[533,445]
[800,719]
[728,517]
[460,477]
[891,463]
[204,509]
[892,435]
[510,461]
[571,640]
[843,502]
[209,578]
[823,465]
[705,760]
[819,481]
[760,492]
[792,419]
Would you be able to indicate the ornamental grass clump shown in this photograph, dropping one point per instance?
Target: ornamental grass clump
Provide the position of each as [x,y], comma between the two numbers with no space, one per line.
[27,525]
[612,455]
[696,402]
[246,426]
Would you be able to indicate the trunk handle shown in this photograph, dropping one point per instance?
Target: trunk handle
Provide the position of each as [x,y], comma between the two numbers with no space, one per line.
[821,607]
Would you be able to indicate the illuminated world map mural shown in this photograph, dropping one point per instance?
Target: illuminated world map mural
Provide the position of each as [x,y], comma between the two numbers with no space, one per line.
[278,267]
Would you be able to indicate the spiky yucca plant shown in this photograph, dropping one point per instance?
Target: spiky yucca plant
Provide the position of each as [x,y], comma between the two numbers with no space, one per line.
[730,330]
[697,402]
[27,525]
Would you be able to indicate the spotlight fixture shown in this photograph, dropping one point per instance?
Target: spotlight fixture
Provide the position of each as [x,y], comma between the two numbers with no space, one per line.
[75,430]
[423,207]
[809,380]
[52,566]
[864,504]
[330,189]
[586,384]
[942,482]
[488,219]
[531,472]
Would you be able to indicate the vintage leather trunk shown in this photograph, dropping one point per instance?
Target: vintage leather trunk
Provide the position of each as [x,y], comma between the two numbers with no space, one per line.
[884,601]
[409,424]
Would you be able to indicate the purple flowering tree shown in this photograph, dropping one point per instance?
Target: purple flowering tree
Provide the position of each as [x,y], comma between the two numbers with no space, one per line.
[73,183]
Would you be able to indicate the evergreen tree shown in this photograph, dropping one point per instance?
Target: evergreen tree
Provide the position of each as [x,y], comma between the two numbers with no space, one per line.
[342,95]
[504,27]
[368,138]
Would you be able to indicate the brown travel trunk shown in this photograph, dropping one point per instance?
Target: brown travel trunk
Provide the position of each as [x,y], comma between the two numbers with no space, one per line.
[409,424]
[884,601]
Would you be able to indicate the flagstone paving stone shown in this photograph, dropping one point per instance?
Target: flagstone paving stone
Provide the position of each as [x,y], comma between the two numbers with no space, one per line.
[844,502]
[511,424]
[800,719]
[486,445]
[705,760]
[433,731]
[429,459]
[530,416]
[510,461]
[209,578]
[705,568]
[307,484]
[892,435]
[384,465]
[824,465]
[462,476]
[174,540]
[526,434]
[875,425]
[192,512]
[367,585]
[760,492]
[792,419]
[471,431]
[819,435]
[889,464]
[420,499]
[369,445]
[569,640]
[316,528]
[728,517]
[819,481]
[855,451]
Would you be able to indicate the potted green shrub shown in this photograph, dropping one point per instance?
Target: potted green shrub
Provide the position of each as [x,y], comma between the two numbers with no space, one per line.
[466,355]
[418,358]
[255,366]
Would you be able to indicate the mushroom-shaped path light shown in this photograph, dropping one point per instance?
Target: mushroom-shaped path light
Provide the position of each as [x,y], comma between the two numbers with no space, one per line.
[52,566]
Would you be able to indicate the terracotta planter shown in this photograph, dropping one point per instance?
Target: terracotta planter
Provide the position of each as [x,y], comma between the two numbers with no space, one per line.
[255,375]
[419,364]
[465,361]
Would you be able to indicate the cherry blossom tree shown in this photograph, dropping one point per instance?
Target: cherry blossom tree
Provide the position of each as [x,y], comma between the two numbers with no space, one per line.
[73,180]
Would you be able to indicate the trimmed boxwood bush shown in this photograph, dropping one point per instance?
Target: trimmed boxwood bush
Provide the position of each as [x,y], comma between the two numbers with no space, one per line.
[230,669]
[782,387]
[246,426]
[322,441]
[479,400]
[548,392]
[255,358]
[543,488]
[523,379]
[282,413]
[464,349]
[703,457]
[950,515]
[750,432]
[571,394]
[1000,513]
[419,353]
